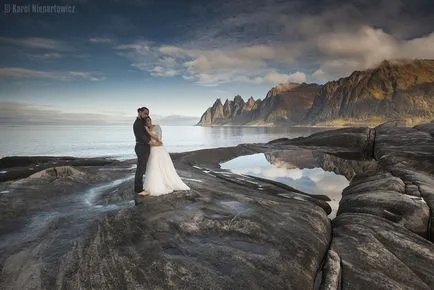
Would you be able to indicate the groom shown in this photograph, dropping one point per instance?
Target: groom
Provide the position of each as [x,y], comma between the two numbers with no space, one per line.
[142,148]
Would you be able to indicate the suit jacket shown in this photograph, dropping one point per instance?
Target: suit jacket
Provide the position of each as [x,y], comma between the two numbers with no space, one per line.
[142,136]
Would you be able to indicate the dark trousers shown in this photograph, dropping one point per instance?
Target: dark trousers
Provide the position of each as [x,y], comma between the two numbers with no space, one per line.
[142,152]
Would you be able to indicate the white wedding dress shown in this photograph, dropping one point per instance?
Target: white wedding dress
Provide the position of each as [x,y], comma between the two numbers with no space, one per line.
[161,176]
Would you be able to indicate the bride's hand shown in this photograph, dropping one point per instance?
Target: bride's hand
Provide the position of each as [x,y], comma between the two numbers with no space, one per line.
[155,143]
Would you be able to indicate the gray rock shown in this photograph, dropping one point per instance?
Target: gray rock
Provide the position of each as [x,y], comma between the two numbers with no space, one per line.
[412,213]
[379,254]
[219,235]
[332,271]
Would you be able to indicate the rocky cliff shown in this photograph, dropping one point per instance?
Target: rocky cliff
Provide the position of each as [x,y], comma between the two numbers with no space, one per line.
[285,103]
[394,90]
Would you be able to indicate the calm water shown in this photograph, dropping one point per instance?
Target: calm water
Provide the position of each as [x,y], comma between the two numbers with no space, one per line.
[118,141]
[313,180]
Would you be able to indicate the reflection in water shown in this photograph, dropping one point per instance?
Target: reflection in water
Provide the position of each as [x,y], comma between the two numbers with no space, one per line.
[309,178]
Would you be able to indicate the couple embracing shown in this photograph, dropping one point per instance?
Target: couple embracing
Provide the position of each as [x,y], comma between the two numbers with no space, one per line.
[153,160]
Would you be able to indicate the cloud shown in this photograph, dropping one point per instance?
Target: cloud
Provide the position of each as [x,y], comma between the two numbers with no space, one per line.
[139,47]
[101,40]
[45,56]
[328,40]
[22,113]
[160,71]
[52,56]
[23,73]
[211,67]
[275,77]
[273,41]
[272,172]
[172,50]
[346,51]
[36,43]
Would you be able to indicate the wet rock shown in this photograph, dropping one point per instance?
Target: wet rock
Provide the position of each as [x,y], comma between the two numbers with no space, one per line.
[76,226]
[347,142]
[331,277]
[13,168]
[422,185]
[219,235]
[411,212]
[408,147]
[379,254]
[408,153]
[59,172]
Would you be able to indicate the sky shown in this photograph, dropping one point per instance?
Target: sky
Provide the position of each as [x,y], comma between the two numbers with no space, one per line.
[102,60]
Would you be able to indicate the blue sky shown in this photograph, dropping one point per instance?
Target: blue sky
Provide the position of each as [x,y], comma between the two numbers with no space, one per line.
[109,57]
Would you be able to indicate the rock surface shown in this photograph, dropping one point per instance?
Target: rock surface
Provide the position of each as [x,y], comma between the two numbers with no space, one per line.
[383,231]
[80,229]
[75,223]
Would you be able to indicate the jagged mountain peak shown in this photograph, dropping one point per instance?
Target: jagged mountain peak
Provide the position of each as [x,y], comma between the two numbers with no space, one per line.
[393,89]
[238,99]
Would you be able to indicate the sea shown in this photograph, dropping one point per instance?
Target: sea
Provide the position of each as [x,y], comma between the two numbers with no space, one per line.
[117,141]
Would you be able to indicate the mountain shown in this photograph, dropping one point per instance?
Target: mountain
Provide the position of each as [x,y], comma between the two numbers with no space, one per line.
[284,103]
[394,90]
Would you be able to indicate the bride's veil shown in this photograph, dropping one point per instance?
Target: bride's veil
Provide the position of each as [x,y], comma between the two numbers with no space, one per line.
[158,130]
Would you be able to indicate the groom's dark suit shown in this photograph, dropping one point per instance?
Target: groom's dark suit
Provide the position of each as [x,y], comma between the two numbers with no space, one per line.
[142,151]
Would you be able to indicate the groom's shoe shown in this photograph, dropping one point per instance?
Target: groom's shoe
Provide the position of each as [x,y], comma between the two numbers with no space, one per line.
[143,193]
[139,197]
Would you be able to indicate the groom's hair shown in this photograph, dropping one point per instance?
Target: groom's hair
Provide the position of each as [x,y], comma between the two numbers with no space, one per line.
[142,109]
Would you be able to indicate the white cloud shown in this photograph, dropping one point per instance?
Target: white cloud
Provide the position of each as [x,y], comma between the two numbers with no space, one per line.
[45,56]
[171,50]
[22,73]
[101,40]
[139,47]
[276,78]
[36,43]
[211,67]
[160,71]
[336,49]
[346,51]
[273,172]
[23,113]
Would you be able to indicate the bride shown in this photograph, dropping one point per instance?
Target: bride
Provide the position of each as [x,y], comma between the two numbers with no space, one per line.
[160,177]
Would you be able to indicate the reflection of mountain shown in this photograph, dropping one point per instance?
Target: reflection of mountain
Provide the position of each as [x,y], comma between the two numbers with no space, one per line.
[291,159]
[311,159]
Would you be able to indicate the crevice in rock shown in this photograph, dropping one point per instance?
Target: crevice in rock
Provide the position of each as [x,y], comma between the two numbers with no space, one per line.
[429,231]
[331,271]
[411,182]
[370,150]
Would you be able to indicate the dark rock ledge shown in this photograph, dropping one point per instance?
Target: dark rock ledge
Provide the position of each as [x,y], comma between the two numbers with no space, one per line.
[73,224]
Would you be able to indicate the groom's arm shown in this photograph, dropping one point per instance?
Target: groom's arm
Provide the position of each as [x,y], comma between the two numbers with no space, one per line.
[141,133]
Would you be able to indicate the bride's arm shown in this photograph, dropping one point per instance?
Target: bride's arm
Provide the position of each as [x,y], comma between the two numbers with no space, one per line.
[155,141]
[152,133]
